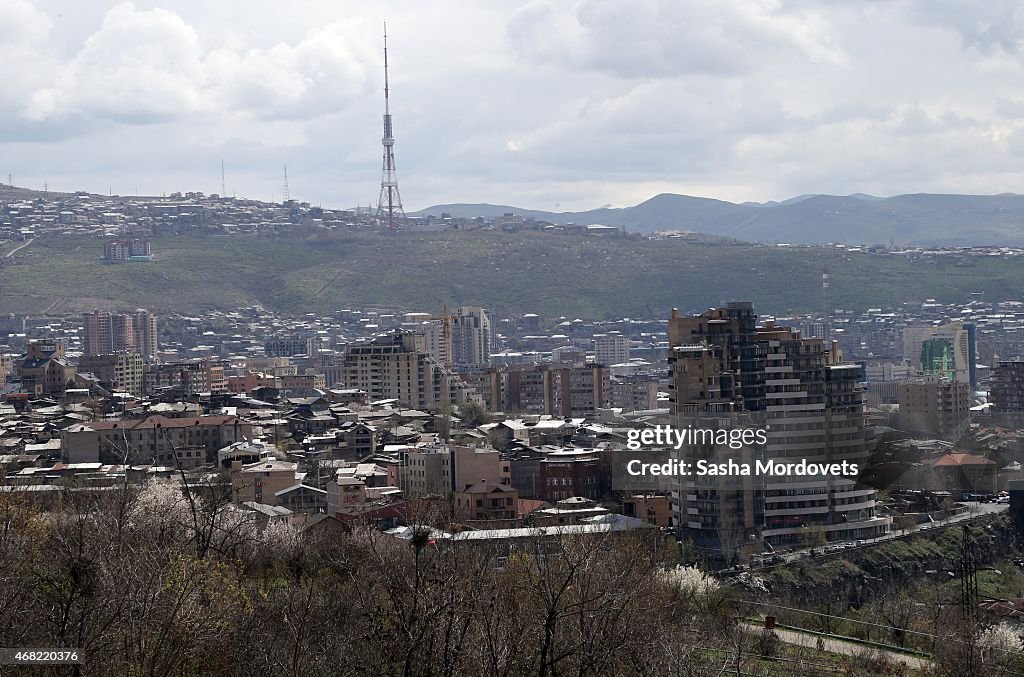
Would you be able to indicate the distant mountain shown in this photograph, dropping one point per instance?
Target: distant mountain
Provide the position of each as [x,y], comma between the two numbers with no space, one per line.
[917,219]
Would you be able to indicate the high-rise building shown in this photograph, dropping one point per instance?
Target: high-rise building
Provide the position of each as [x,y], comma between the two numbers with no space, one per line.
[946,351]
[6,361]
[144,333]
[438,338]
[398,367]
[937,408]
[611,348]
[106,333]
[728,373]
[470,336]
[815,411]
[1008,392]
[97,339]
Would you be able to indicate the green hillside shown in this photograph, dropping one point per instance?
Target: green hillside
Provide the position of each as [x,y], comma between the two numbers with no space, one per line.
[517,272]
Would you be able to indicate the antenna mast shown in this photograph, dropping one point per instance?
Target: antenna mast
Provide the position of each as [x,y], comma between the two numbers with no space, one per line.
[223,185]
[390,201]
[828,308]
[286,195]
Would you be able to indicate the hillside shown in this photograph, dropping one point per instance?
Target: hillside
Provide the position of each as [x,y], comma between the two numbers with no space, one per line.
[920,219]
[551,274]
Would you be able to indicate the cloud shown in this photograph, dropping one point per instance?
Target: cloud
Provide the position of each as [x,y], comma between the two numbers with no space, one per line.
[531,102]
[23,57]
[995,25]
[664,38]
[149,66]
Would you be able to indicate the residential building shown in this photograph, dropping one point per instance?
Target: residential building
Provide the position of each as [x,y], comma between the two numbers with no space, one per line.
[106,333]
[286,347]
[569,473]
[486,501]
[611,348]
[728,373]
[944,351]
[960,472]
[154,439]
[634,393]
[554,389]
[935,408]
[6,363]
[43,369]
[653,509]
[397,367]
[118,251]
[345,494]
[442,469]
[188,377]
[302,499]
[120,372]
[261,482]
[1007,392]
[471,338]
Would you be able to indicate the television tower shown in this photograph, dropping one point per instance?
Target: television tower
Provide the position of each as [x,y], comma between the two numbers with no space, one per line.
[390,201]
[286,194]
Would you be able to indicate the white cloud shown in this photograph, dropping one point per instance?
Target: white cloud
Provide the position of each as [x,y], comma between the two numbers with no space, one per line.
[145,66]
[23,57]
[530,102]
[644,38]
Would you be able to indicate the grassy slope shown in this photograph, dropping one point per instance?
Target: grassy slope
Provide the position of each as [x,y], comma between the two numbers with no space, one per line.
[545,273]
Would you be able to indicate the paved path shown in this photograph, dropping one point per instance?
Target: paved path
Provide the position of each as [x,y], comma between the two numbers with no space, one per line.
[17,249]
[839,646]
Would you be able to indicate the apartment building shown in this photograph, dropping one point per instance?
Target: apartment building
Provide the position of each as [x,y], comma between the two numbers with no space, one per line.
[471,337]
[935,408]
[570,473]
[120,372]
[106,333]
[155,439]
[611,348]
[442,470]
[43,369]
[728,373]
[1007,392]
[398,367]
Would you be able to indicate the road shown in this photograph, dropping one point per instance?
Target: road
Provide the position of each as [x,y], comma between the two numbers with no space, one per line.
[838,646]
[974,510]
[18,248]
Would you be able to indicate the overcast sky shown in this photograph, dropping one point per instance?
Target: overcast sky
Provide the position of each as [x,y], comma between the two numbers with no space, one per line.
[542,104]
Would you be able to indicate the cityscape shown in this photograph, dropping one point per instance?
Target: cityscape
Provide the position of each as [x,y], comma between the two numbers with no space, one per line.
[298,436]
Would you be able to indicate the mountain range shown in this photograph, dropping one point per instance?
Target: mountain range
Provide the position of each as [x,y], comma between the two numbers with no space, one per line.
[924,219]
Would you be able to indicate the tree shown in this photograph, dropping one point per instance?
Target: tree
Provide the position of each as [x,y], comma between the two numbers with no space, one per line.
[474,414]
